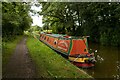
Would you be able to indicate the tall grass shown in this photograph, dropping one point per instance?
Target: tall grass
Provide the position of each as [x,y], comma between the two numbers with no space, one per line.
[50,64]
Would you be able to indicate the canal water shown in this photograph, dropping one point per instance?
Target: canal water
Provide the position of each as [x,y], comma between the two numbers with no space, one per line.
[108,62]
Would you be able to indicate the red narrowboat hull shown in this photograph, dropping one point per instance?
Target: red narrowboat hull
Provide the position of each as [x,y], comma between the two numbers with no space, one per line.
[83,65]
[75,48]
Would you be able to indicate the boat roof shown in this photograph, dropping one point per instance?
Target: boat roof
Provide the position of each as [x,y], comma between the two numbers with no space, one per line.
[56,35]
[65,36]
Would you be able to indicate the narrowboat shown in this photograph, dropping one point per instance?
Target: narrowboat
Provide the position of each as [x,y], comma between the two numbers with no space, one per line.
[75,48]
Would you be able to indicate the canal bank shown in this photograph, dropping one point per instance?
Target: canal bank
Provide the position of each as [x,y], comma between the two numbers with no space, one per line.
[49,64]
[108,62]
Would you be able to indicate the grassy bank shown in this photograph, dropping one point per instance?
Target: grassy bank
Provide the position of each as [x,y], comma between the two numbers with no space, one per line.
[8,48]
[51,64]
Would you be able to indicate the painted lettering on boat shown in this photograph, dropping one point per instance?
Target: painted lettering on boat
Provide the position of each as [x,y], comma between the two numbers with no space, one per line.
[63,45]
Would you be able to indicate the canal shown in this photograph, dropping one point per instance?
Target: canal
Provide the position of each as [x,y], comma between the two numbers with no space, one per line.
[108,62]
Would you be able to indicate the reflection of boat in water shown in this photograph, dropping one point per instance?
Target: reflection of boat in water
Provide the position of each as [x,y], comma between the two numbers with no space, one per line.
[75,48]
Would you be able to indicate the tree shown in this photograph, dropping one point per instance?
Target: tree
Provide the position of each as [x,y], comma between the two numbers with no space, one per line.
[100,21]
[15,18]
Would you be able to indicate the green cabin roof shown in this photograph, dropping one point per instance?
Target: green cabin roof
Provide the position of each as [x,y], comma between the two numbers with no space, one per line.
[65,36]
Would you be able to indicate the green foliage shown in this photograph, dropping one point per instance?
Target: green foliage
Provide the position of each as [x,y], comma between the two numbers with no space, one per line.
[104,38]
[15,18]
[34,28]
[100,21]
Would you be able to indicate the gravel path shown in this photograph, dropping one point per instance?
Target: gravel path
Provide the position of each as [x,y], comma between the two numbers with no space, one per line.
[20,64]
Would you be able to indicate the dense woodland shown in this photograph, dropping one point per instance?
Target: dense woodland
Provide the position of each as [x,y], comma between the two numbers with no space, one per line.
[100,21]
[15,19]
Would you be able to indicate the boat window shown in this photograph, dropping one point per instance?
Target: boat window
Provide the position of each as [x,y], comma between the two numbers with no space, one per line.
[48,39]
[55,42]
[42,36]
[45,38]
[85,50]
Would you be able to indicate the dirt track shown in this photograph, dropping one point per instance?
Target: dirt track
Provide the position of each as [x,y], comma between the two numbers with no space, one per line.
[20,64]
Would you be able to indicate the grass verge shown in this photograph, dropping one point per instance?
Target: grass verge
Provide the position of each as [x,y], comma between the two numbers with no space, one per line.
[50,64]
[8,49]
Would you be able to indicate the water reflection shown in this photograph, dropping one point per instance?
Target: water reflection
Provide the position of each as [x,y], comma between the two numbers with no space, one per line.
[108,62]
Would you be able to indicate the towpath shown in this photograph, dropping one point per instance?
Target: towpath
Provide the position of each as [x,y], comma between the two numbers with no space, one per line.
[20,64]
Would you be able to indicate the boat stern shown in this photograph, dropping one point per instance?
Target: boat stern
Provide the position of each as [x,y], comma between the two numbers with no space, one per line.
[82,61]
